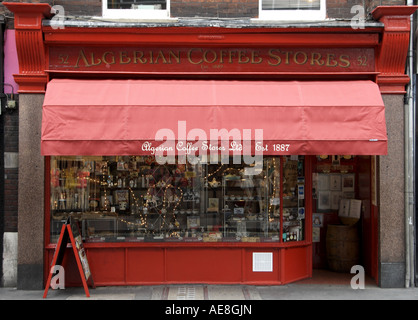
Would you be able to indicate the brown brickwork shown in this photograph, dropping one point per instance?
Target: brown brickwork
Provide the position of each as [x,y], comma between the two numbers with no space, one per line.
[71,7]
[80,7]
[337,9]
[10,200]
[215,8]
[371,4]
[11,144]
[341,9]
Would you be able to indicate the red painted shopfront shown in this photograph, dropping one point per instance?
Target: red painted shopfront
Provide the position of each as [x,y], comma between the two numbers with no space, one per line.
[148,218]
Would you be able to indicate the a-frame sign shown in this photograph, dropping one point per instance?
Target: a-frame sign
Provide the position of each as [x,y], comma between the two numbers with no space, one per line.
[70,231]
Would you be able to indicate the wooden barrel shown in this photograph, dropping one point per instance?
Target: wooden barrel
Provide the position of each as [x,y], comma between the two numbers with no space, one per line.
[343,247]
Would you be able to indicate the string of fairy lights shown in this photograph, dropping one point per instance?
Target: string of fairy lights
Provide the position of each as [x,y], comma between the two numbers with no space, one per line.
[271,206]
[144,201]
[142,204]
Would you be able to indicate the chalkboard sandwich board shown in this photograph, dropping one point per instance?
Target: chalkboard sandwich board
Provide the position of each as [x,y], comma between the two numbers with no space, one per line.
[70,231]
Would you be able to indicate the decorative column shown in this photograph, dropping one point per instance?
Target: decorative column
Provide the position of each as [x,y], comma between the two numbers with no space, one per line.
[29,43]
[32,80]
[391,60]
[392,53]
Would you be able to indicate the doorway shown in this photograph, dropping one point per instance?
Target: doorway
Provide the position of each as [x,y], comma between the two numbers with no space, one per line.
[339,181]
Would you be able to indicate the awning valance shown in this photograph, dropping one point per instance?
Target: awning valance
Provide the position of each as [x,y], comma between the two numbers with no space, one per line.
[128,117]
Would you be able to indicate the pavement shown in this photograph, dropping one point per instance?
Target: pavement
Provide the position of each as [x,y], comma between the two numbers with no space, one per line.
[324,285]
[302,290]
[208,301]
[201,301]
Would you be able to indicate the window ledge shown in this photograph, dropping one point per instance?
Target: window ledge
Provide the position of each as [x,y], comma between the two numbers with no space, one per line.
[97,21]
[328,22]
[135,20]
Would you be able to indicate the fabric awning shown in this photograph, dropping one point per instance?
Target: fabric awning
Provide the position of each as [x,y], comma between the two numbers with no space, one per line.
[123,117]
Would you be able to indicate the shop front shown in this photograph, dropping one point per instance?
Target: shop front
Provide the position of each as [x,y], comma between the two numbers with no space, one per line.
[193,154]
[186,195]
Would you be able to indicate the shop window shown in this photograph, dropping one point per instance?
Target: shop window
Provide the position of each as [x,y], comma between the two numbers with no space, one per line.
[135,9]
[134,198]
[292,10]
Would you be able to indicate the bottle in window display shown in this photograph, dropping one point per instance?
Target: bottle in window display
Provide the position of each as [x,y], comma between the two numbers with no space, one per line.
[131,183]
[300,168]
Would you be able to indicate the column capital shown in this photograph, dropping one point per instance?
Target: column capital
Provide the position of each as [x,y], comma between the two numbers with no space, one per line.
[393,50]
[28,25]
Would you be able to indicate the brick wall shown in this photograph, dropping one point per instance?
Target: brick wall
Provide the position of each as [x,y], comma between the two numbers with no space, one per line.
[10,200]
[214,8]
[11,148]
[338,9]
[9,194]
[80,7]
[341,9]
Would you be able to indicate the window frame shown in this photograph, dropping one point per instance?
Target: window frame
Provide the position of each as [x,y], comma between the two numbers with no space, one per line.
[135,13]
[293,15]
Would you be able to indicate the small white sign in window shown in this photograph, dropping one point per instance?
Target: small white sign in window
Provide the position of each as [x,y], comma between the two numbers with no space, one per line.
[262,262]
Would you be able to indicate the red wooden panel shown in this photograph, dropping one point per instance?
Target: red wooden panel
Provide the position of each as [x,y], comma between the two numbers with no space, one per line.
[364,194]
[140,265]
[296,263]
[145,265]
[375,244]
[210,265]
[107,265]
[263,277]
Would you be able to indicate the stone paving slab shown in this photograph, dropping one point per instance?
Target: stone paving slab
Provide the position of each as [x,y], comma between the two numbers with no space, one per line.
[109,296]
[217,292]
[206,292]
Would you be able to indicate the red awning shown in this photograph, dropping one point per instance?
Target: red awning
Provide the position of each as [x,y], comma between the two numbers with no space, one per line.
[122,117]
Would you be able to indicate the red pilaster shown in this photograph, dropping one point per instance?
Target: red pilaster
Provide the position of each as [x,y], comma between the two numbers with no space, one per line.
[30,46]
[393,51]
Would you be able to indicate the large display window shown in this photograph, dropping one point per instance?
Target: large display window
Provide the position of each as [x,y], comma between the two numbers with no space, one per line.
[136,199]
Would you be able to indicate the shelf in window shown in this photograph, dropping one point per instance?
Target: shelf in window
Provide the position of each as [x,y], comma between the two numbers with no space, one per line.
[243,200]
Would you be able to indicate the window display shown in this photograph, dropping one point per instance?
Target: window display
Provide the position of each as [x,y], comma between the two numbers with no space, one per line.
[134,198]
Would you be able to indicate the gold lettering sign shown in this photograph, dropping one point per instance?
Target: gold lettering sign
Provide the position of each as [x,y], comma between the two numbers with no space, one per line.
[212,59]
